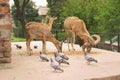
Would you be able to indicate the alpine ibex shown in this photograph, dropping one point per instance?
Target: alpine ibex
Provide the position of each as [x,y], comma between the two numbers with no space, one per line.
[77,26]
[40,31]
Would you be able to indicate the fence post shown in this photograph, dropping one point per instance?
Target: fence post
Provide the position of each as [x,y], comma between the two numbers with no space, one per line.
[118,42]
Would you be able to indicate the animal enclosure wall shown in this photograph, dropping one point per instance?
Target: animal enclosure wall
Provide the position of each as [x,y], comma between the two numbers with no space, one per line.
[5,31]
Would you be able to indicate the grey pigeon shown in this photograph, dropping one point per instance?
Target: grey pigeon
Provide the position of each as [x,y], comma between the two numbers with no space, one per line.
[60,59]
[18,46]
[62,55]
[55,66]
[89,58]
[43,57]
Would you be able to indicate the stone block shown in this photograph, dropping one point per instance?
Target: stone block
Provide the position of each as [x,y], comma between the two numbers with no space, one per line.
[7,44]
[2,49]
[1,55]
[7,1]
[1,44]
[4,33]
[4,7]
[5,60]
[5,20]
[7,54]
[5,49]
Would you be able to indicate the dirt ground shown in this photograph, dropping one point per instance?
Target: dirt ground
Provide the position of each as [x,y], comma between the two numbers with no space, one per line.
[25,67]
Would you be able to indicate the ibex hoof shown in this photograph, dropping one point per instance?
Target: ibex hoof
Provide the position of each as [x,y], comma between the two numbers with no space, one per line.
[71,50]
[29,53]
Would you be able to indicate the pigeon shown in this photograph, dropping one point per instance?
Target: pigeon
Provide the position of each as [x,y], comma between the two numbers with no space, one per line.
[62,55]
[35,47]
[55,66]
[89,58]
[43,57]
[18,46]
[60,59]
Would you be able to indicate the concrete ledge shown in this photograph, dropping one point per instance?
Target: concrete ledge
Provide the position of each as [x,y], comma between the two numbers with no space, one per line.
[25,67]
[116,77]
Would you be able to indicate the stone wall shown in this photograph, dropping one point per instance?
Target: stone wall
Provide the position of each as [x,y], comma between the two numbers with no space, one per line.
[5,31]
[107,46]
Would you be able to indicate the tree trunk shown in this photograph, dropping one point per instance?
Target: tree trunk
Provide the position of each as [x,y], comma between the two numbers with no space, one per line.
[20,13]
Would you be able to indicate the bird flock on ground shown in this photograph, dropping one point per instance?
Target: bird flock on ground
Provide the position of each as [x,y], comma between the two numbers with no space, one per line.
[59,58]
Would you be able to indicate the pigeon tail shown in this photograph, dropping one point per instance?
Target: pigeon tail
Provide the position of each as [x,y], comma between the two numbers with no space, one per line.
[63,61]
[65,57]
[45,59]
[95,61]
[59,69]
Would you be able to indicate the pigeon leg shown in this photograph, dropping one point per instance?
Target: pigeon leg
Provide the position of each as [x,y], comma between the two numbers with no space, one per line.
[88,63]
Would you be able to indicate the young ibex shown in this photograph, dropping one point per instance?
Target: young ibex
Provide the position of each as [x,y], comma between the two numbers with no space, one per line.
[47,26]
[40,31]
[78,27]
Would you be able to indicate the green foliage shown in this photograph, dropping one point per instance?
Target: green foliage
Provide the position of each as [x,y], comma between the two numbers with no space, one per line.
[56,9]
[14,39]
[100,16]
[31,14]
[61,36]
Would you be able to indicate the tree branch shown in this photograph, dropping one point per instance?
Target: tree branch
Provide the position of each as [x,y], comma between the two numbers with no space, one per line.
[25,2]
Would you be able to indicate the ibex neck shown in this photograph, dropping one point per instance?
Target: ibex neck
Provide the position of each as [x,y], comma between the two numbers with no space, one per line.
[57,44]
[86,38]
[50,24]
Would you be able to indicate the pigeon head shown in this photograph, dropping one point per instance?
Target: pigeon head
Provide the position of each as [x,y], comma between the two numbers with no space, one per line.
[51,59]
[55,54]
[40,52]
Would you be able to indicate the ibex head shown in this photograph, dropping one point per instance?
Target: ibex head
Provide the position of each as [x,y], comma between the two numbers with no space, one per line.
[87,46]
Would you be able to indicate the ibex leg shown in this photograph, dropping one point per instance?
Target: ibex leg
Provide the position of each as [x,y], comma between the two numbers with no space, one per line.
[28,46]
[44,47]
[73,41]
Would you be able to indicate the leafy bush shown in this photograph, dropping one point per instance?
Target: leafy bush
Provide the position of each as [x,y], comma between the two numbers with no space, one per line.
[61,36]
[14,39]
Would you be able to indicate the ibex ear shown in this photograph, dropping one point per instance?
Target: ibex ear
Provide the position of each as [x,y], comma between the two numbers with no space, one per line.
[47,16]
[62,42]
[55,18]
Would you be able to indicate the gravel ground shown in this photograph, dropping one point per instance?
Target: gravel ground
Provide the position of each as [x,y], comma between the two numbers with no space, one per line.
[25,67]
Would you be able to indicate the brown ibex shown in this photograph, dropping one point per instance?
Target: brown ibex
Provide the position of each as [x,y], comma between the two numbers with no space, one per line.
[40,31]
[77,26]
[47,26]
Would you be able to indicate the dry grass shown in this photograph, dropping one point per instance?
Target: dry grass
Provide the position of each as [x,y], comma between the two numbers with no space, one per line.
[68,53]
